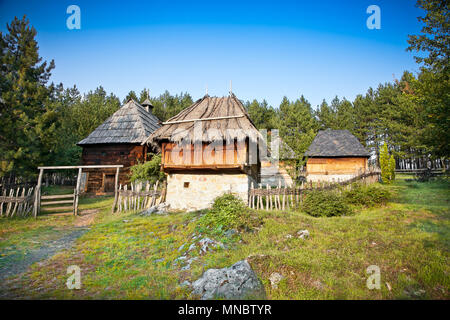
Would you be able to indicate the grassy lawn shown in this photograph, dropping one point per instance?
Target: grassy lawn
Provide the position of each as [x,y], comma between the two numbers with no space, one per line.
[129,256]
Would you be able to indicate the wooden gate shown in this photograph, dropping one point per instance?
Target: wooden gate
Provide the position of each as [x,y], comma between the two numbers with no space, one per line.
[71,199]
[67,199]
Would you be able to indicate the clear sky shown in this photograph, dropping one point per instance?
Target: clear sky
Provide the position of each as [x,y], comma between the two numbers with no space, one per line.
[269,49]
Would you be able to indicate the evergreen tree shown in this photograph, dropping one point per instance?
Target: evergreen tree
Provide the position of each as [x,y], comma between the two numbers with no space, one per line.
[384,164]
[130,95]
[391,168]
[25,96]
[434,82]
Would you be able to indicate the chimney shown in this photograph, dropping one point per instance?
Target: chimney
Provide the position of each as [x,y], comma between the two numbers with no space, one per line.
[147,104]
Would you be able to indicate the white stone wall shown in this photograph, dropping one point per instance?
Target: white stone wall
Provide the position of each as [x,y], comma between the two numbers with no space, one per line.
[203,189]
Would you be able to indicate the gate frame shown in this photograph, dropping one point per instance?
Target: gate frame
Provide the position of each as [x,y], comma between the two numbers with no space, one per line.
[37,191]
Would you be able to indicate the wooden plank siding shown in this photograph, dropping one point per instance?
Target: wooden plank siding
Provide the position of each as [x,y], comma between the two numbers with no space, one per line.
[233,156]
[328,166]
[100,181]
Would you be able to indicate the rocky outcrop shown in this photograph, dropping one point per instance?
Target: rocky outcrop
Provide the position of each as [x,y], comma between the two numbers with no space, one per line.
[235,282]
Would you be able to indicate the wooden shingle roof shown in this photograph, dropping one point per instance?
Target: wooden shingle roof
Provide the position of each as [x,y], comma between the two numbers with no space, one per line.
[217,113]
[130,124]
[336,143]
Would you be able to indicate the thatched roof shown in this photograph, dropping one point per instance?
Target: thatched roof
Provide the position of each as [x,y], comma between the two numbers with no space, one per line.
[130,124]
[336,143]
[216,113]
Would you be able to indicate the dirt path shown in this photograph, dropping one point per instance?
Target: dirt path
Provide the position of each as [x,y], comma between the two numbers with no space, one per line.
[17,265]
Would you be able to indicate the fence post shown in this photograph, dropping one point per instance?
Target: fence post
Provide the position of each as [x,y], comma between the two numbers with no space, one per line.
[116,193]
[77,192]
[37,191]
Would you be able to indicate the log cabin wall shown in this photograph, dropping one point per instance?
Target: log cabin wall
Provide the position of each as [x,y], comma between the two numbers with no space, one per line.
[327,169]
[101,181]
[218,157]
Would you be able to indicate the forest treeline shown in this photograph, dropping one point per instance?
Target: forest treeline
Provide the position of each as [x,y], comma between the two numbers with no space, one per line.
[41,122]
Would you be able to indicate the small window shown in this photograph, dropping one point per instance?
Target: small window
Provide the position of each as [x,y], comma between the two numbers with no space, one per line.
[186,185]
[103,153]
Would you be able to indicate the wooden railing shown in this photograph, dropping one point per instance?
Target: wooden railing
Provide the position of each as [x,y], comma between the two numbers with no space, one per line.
[15,202]
[281,198]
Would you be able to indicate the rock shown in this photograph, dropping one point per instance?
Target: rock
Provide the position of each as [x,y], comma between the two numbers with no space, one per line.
[125,221]
[185,284]
[189,262]
[235,282]
[181,247]
[275,279]
[289,236]
[206,245]
[303,234]
[161,208]
[191,247]
[179,259]
[158,260]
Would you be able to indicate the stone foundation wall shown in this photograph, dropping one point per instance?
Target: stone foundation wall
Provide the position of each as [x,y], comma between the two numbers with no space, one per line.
[197,191]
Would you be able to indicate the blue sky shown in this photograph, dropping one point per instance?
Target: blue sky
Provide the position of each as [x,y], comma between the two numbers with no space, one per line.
[269,49]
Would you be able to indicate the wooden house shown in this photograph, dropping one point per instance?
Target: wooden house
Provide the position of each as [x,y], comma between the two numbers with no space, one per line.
[335,154]
[208,149]
[118,141]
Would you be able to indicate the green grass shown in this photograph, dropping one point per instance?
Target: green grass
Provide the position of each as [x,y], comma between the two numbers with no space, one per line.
[408,239]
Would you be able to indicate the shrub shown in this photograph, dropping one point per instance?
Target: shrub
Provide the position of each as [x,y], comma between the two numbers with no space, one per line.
[325,204]
[392,168]
[149,170]
[228,212]
[384,164]
[370,195]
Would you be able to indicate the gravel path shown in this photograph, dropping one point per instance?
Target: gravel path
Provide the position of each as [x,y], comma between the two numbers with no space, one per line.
[19,264]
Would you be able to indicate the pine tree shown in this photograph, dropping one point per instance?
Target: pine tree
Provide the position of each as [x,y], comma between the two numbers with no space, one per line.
[27,116]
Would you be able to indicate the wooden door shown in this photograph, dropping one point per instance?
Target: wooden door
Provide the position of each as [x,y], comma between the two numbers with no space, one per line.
[108,182]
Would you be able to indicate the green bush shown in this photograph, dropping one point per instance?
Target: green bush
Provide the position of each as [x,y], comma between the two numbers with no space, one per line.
[149,170]
[228,212]
[321,203]
[367,195]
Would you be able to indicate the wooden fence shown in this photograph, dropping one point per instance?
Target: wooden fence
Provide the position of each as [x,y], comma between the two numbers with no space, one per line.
[16,202]
[281,198]
[139,196]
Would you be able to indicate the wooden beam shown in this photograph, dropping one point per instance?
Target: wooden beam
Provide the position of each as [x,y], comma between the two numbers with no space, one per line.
[57,208]
[59,196]
[203,119]
[37,193]
[116,183]
[77,192]
[82,167]
[56,202]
